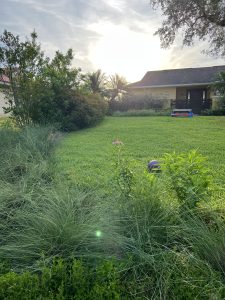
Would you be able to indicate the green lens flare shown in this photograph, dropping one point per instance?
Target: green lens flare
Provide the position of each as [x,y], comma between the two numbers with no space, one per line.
[98,233]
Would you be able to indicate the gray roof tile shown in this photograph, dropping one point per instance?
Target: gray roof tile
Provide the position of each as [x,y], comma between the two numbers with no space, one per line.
[178,77]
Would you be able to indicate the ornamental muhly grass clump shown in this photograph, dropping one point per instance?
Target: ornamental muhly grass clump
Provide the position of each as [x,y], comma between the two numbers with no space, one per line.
[164,253]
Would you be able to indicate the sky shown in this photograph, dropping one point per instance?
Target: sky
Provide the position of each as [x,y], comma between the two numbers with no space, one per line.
[116,36]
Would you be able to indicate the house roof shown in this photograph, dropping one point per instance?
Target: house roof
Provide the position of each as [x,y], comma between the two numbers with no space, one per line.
[179,77]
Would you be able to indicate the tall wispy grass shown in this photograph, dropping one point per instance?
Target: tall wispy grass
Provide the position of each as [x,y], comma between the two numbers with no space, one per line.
[165,251]
[42,218]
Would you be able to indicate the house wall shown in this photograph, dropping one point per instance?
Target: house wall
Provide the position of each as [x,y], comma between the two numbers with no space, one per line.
[179,93]
[166,94]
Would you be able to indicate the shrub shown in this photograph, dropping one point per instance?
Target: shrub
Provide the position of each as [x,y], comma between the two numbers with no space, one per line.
[83,110]
[43,90]
[65,280]
[213,112]
[190,177]
[141,113]
[183,278]
[137,103]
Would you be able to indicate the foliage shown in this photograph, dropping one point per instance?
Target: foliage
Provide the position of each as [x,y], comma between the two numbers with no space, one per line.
[25,152]
[142,113]
[86,158]
[204,234]
[124,175]
[83,110]
[44,91]
[190,177]
[116,87]
[136,102]
[173,255]
[219,86]
[61,279]
[65,280]
[21,62]
[96,82]
[60,237]
[213,112]
[202,19]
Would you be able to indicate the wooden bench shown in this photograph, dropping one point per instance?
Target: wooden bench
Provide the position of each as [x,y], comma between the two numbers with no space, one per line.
[184,112]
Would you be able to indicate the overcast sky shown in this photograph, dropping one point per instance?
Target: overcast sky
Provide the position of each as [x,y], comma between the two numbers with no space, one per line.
[113,35]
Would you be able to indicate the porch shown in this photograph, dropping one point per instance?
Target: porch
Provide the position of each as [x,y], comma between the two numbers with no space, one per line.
[195,98]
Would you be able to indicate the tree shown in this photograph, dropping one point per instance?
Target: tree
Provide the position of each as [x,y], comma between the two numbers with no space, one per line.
[117,87]
[219,86]
[204,19]
[96,82]
[53,88]
[22,62]
[43,90]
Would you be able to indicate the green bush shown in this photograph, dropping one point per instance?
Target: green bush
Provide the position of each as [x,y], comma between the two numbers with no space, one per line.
[65,280]
[141,113]
[213,112]
[132,102]
[83,110]
[182,278]
[45,91]
[190,177]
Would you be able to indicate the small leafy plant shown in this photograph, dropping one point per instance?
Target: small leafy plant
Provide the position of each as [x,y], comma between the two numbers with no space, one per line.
[190,177]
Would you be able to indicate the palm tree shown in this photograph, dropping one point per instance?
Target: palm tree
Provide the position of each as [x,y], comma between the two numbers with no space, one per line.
[117,86]
[96,82]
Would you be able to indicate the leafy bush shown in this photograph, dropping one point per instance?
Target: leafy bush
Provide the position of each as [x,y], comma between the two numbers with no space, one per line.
[43,90]
[71,280]
[83,110]
[190,177]
[141,113]
[213,112]
[183,278]
[173,255]
[132,102]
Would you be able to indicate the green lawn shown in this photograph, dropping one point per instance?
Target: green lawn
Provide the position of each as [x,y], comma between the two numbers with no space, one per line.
[86,156]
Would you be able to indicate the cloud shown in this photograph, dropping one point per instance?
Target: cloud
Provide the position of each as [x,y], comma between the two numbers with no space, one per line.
[115,35]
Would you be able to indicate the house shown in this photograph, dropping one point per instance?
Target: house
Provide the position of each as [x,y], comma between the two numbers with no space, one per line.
[4,81]
[181,88]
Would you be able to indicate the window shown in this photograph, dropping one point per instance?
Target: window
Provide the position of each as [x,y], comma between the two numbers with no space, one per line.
[189,95]
[203,95]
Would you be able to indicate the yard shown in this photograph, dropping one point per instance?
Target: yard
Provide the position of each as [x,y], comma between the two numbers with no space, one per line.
[87,156]
[81,217]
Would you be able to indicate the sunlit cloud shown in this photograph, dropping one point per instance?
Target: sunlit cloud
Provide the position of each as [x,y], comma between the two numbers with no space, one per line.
[117,4]
[120,50]
[113,35]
